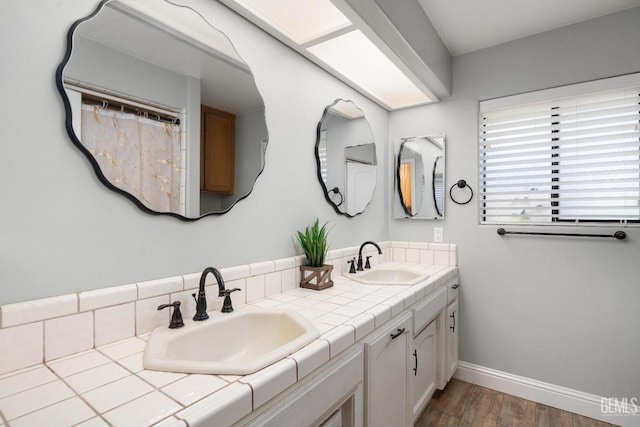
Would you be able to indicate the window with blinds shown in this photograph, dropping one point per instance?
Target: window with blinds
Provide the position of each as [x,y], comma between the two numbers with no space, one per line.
[572,159]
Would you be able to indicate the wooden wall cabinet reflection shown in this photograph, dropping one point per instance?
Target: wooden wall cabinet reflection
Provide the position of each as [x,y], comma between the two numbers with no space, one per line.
[217,151]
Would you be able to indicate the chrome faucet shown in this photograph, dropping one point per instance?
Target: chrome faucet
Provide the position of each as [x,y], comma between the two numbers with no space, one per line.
[360,254]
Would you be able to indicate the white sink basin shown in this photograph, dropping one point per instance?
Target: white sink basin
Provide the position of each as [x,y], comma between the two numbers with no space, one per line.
[237,343]
[388,276]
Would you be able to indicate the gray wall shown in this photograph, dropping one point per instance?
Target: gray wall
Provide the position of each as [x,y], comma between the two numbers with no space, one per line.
[559,310]
[63,232]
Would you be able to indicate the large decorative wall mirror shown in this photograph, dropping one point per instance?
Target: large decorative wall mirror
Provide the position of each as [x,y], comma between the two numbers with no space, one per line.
[420,178]
[346,158]
[163,107]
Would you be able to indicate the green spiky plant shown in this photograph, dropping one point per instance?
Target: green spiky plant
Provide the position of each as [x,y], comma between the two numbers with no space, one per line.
[313,242]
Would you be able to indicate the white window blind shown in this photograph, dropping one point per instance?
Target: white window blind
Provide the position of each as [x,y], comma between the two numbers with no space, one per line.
[563,160]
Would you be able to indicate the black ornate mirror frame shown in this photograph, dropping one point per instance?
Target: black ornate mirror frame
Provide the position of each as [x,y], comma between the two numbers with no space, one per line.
[76,141]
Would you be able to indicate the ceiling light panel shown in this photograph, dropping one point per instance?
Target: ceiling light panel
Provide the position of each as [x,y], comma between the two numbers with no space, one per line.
[355,57]
[301,21]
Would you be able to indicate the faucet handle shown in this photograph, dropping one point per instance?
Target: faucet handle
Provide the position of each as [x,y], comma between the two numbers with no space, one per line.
[227,307]
[176,317]
[368,264]
[352,269]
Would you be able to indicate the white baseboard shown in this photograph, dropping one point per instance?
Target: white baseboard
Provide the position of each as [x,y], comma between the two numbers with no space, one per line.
[563,398]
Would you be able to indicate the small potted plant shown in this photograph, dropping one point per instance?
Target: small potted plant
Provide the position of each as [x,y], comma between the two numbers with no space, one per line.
[313,241]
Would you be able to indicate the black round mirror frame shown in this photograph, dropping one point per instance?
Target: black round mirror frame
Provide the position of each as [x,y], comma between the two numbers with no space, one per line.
[76,141]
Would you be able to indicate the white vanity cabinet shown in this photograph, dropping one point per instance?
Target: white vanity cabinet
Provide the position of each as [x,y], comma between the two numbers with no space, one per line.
[387,365]
[333,394]
[384,379]
[452,338]
[423,374]
[428,349]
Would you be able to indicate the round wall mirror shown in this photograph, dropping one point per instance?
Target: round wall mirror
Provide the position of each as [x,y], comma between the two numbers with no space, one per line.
[420,177]
[163,107]
[346,158]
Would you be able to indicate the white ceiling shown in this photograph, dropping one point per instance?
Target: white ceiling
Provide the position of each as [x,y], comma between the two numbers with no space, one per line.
[468,25]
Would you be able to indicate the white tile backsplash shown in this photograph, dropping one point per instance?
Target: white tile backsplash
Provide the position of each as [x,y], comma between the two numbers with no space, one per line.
[191,281]
[441,257]
[427,256]
[148,317]
[289,280]
[41,309]
[22,346]
[68,335]
[413,255]
[399,244]
[153,288]
[114,323]
[399,254]
[272,284]
[255,288]
[91,300]
[285,263]
[262,267]
[235,273]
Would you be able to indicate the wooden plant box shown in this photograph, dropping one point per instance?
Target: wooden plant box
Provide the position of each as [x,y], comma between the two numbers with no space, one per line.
[316,278]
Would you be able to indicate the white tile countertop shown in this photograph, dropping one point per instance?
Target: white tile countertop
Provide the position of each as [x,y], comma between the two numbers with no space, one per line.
[108,385]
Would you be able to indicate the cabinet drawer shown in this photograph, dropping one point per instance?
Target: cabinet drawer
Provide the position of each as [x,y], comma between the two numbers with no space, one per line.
[428,309]
[452,291]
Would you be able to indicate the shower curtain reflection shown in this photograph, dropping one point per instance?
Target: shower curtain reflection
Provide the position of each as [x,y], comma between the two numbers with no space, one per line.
[137,154]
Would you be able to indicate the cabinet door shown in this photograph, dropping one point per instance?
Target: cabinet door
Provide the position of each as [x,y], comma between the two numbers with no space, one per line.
[387,366]
[422,377]
[217,151]
[452,339]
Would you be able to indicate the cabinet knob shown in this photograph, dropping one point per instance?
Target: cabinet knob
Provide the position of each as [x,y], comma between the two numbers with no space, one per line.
[456,286]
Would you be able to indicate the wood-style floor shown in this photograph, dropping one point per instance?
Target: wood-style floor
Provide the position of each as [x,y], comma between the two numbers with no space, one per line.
[463,404]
